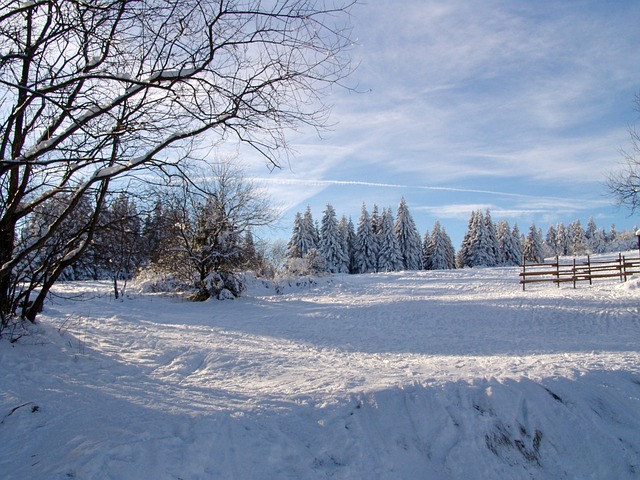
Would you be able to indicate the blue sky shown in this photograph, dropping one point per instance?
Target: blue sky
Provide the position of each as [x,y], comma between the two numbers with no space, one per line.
[520,107]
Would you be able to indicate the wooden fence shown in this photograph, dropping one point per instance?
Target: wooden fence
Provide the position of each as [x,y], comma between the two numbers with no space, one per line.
[579,271]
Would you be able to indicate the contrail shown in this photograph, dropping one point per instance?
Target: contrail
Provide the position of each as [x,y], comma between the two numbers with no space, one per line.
[324,183]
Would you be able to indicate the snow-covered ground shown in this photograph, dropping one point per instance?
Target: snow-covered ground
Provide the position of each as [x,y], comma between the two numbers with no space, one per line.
[429,375]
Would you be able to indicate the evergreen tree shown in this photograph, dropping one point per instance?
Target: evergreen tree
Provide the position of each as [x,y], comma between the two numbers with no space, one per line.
[439,253]
[352,246]
[366,251]
[550,241]
[463,257]
[295,245]
[510,254]
[532,250]
[595,241]
[331,243]
[310,237]
[408,238]
[480,243]
[376,221]
[578,239]
[389,258]
[450,251]
[348,242]
[516,238]
[563,243]
[493,248]
[426,254]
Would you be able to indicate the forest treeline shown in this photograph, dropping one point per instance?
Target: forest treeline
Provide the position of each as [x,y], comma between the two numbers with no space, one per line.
[381,243]
[199,240]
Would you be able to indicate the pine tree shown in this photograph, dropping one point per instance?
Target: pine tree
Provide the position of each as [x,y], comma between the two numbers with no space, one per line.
[331,243]
[295,245]
[389,258]
[510,255]
[463,257]
[481,243]
[408,238]
[563,243]
[310,237]
[493,249]
[376,221]
[426,254]
[439,253]
[366,251]
[348,242]
[533,246]
[550,241]
[578,239]
[517,244]
[595,240]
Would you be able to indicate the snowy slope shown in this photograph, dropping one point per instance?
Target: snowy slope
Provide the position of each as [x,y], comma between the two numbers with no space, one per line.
[442,374]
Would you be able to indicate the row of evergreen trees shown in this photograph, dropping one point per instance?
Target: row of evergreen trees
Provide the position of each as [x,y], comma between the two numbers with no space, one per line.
[379,244]
[382,244]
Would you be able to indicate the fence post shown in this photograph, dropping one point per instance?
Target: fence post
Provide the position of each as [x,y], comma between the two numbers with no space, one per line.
[589,269]
[574,272]
[558,271]
[524,277]
[624,268]
[621,267]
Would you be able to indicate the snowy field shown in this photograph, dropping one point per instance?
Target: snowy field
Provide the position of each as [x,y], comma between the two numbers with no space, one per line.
[429,375]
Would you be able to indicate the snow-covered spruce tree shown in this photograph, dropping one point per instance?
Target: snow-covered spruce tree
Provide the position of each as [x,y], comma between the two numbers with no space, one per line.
[309,232]
[480,245]
[331,243]
[426,254]
[408,238]
[450,259]
[550,242]
[294,246]
[518,246]
[389,258]
[366,251]
[532,250]
[595,239]
[578,239]
[563,241]
[376,221]
[509,256]
[95,90]
[493,249]
[439,250]
[348,233]
[463,257]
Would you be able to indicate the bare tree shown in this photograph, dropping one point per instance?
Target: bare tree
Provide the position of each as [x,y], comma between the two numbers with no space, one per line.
[91,91]
[624,184]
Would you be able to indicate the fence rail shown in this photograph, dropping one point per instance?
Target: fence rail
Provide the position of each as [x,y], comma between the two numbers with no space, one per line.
[575,272]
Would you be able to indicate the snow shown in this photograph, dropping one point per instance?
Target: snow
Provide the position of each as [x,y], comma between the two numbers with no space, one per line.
[447,374]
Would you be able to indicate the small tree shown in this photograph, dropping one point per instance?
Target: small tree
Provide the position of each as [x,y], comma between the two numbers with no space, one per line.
[408,238]
[389,256]
[210,220]
[366,251]
[532,250]
[332,245]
